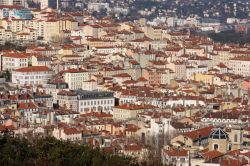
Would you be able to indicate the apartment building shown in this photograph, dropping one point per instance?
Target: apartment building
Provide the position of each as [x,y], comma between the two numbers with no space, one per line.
[34,75]
[240,65]
[12,61]
[75,78]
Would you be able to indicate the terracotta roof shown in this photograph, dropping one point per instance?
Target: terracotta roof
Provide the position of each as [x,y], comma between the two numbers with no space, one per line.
[241,58]
[67,93]
[133,147]
[97,115]
[222,65]
[134,107]
[75,71]
[22,106]
[144,39]
[233,162]
[177,153]
[200,58]
[223,115]
[212,154]
[11,7]
[33,69]
[200,133]
[142,79]
[179,109]
[70,131]
[16,55]
[121,75]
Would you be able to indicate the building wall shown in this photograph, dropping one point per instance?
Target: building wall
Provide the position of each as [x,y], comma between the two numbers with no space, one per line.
[31,78]
[240,67]
[75,80]
[10,63]
[125,114]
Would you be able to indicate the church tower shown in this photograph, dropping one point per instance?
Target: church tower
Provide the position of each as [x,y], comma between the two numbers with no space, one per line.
[219,140]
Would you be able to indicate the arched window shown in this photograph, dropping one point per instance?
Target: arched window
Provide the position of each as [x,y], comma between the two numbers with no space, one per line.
[235,138]
[216,146]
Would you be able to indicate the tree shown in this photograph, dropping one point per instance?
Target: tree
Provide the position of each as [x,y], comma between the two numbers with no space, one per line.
[12,46]
[49,151]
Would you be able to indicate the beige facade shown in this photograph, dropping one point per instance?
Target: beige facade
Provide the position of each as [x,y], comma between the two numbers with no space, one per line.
[75,78]
[128,111]
[51,30]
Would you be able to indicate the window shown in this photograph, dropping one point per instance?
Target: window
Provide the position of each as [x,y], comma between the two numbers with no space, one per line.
[235,138]
[216,146]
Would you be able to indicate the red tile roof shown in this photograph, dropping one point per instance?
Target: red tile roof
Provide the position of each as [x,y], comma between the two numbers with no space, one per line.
[212,154]
[75,71]
[177,153]
[33,69]
[222,65]
[22,106]
[121,75]
[241,58]
[11,7]
[196,134]
[16,55]
[70,131]
[134,107]
[133,147]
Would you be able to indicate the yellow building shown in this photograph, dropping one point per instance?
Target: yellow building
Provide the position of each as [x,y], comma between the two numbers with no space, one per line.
[206,78]
[17,25]
[223,55]
[96,42]
[68,24]
[228,105]
[129,111]
[153,32]
[51,30]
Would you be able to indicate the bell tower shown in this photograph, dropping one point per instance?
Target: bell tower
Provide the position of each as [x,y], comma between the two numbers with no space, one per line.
[236,136]
[218,140]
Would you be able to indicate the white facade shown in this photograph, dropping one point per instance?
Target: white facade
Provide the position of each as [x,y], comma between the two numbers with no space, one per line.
[14,61]
[190,71]
[240,65]
[98,6]
[89,85]
[34,75]
[75,78]
[103,104]
[184,102]
[70,134]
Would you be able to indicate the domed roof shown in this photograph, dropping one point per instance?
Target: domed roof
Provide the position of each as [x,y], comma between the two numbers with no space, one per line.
[218,134]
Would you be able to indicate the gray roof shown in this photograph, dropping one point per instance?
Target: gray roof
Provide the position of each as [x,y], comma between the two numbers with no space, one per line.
[218,134]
